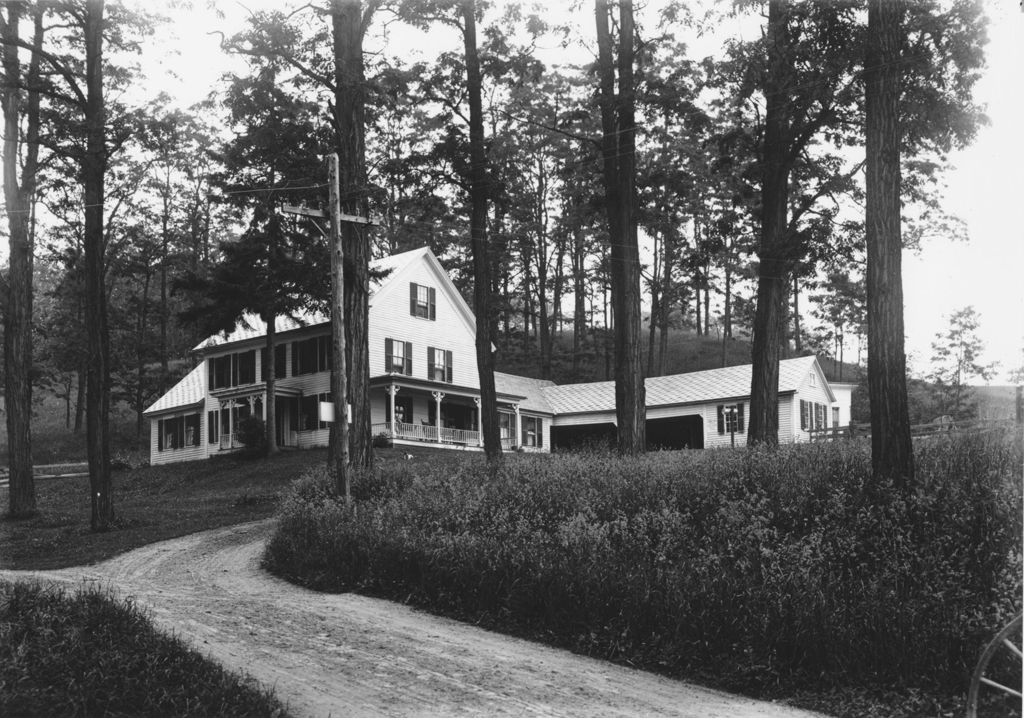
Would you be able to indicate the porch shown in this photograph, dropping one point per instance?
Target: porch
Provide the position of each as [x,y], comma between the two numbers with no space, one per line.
[403,432]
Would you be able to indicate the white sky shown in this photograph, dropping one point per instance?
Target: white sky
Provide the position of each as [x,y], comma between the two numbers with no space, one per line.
[984,189]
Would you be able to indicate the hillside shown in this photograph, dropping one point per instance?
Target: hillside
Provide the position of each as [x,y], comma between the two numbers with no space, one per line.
[687,352]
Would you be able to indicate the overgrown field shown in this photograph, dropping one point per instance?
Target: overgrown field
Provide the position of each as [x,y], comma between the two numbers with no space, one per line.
[780,574]
[67,654]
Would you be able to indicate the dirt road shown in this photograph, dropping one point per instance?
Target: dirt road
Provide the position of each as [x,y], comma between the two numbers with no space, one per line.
[347,655]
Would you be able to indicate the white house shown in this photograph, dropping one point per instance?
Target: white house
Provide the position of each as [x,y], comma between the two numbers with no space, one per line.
[424,386]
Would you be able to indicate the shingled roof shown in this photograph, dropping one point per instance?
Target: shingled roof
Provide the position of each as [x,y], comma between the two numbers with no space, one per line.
[190,390]
[532,389]
[696,387]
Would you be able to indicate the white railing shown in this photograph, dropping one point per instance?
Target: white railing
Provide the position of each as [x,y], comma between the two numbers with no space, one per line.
[427,433]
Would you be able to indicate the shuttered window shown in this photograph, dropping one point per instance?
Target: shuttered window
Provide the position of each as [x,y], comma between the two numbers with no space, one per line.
[398,357]
[731,418]
[804,415]
[439,365]
[422,301]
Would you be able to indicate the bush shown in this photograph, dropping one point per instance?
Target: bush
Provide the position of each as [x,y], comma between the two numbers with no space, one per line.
[252,433]
[86,654]
[764,571]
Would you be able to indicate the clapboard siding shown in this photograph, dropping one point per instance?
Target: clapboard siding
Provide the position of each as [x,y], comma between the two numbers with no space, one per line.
[170,456]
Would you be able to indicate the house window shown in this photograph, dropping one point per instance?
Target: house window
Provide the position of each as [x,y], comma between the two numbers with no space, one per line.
[403,410]
[533,431]
[439,365]
[805,414]
[309,412]
[422,301]
[232,370]
[814,379]
[312,355]
[280,366]
[835,416]
[178,432]
[397,357]
[507,426]
[730,418]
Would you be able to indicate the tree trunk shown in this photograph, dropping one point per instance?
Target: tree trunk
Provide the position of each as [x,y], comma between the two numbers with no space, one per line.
[270,406]
[727,313]
[618,150]
[140,355]
[349,25]
[579,288]
[18,200]
[772,281]
[339,374]
[479,180]
[97,395]
[891,448]
[797,341]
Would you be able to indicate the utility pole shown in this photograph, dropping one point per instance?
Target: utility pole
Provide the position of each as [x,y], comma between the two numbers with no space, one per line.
[339,382]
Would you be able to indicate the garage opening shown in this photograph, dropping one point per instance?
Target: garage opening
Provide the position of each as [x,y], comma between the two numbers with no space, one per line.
[581,436]
[677,432]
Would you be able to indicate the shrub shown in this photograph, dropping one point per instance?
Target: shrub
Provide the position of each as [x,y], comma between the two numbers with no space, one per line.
[760,570]
[252,433]
[86,654]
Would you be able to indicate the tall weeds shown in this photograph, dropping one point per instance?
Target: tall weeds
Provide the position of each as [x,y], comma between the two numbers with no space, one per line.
[762,568]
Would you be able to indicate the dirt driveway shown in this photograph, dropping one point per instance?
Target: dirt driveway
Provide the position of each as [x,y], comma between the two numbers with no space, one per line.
[347,655]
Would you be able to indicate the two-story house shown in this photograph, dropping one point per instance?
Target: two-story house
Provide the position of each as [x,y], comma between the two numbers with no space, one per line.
[424,386]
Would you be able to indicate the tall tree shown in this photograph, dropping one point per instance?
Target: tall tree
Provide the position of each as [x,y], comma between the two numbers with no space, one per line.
[892,453]
[618,144]
[20,97]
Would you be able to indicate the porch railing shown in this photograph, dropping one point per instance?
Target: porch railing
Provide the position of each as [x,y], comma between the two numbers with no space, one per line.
[427,433]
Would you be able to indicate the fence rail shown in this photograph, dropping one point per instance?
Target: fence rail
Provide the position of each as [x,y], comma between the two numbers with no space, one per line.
[935,428]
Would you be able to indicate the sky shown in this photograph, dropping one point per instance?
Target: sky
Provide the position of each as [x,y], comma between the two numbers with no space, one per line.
[984,188]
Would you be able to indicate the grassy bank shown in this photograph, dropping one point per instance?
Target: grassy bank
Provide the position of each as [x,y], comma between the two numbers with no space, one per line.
[151,504]
[776,574]
[83,653]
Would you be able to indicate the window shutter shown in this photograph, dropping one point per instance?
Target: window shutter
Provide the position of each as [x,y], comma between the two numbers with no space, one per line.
[721,419]
[448,366]
[389,353]
[408,358]
[160,435]
[209,372]
[433,303]
[430,363]
[412,298]
[803,414]
[540,433]
[211,427]
[739,418]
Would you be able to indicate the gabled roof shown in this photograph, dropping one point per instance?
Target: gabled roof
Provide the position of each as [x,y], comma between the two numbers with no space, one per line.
[531,389]
[190,390]
[251,326]
[697,387]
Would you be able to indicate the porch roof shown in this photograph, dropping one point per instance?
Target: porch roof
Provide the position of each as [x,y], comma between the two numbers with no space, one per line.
[189,391]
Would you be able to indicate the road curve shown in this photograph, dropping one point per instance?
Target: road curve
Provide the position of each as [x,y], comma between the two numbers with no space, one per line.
[348,655]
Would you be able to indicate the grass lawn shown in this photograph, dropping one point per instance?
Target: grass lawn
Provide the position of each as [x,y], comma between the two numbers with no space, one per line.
[155,503]
[150,504]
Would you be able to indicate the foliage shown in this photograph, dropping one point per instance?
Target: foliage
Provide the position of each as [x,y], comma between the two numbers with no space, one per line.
[769,572]
[956,360]
[252,433]
[86,653]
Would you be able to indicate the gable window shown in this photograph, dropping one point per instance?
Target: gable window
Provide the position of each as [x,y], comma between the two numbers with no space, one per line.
[280,356]
[814,379]
[232,370]
[533,431]
[397,357]
[730,418]
[422,301]
[439,365]
[178,432]
[310,356]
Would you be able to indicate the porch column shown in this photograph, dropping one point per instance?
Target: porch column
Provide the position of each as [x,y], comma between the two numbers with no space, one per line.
[479,422]
[392,390]
[438,396]
[518,427]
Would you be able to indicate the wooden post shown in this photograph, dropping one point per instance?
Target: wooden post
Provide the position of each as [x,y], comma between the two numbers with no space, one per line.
[339,388]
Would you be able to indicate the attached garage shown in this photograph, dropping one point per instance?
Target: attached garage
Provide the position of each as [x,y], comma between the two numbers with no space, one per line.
[578,436]
[676,432]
